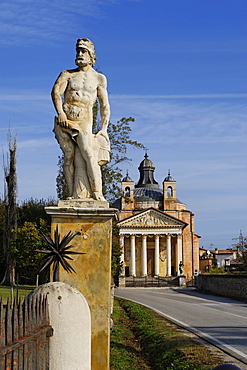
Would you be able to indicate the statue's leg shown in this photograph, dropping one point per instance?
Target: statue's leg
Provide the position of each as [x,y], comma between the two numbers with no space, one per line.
[85,141]
[82,187]
[68,148]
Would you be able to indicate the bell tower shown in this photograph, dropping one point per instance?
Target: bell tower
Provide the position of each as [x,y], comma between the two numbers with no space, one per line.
[127,193]
[170,192]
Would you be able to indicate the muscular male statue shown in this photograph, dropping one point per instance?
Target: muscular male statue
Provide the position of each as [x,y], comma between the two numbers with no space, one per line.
[74,94]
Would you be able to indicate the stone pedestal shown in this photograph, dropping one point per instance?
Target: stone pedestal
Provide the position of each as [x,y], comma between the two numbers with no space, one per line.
[93,220]
[121,281]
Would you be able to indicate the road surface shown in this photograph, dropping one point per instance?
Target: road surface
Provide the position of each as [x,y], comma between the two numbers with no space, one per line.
[220,321]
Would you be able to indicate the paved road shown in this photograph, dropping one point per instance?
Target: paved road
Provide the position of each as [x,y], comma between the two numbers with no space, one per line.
[221,321]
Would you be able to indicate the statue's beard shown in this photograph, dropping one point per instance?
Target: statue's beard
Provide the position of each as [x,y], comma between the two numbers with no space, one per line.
[81,62]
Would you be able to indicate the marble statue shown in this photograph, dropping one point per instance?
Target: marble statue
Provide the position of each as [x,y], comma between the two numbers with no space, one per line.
[74,94]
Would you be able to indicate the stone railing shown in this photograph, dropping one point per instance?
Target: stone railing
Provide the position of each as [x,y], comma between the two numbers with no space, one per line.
[232,286]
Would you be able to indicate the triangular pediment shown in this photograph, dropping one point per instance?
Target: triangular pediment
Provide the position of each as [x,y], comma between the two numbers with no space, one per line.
[151,218]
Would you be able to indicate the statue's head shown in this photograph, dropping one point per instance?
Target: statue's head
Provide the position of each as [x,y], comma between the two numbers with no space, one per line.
[87,45]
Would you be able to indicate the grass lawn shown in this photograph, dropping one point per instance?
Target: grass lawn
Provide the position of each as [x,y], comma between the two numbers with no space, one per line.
[7,293]
[143,340]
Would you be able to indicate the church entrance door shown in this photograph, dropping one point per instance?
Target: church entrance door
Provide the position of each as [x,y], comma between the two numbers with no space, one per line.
[150,262]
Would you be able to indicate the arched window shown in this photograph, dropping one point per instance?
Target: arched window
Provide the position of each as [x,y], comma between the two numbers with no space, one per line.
[169,191]
[127,191]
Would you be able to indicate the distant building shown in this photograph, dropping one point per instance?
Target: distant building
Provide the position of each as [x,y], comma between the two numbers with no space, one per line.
[206,260]
[156,230]
[229,259]
[224,257]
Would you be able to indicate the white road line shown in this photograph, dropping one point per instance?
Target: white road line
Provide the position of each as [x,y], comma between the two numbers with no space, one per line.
[215,309]
[207,304]
[191,328]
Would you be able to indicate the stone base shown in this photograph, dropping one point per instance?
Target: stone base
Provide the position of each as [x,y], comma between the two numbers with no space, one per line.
[121,281]
[93,269]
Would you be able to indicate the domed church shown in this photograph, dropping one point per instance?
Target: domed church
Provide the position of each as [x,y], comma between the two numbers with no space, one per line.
[156,230]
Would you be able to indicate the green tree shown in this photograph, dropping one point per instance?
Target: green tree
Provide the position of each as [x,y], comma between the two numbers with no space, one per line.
[28,262]
[242,251]
[33,210]
[31,218]
[115,248]
[2,215]
[10,214]
[61,185]
[119,135]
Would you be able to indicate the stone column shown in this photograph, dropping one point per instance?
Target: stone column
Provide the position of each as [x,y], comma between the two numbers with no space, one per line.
[122,249]
[156,255]
[144,255]
[133,255]
[93,220]
[179,246]
[169,270]
[121,279]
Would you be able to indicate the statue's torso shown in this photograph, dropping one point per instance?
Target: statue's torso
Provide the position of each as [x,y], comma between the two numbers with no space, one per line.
[80,95]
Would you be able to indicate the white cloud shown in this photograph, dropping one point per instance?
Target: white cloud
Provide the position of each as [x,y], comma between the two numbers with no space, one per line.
[23,97]
[25,21]
[43,143]
[181,96]
[205,120]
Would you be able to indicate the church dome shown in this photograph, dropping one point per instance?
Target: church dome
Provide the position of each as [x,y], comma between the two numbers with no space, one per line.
[148,194]
[146,169]
[146,163]
[147,189]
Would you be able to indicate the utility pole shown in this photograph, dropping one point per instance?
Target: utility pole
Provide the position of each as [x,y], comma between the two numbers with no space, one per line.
[241,243]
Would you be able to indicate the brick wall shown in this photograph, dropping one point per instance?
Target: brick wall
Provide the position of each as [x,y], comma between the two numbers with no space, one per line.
[232,286]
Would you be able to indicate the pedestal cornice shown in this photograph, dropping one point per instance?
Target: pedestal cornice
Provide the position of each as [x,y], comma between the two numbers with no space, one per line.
[81,212]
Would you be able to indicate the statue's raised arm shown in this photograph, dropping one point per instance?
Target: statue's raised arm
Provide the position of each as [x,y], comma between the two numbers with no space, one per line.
[74,94]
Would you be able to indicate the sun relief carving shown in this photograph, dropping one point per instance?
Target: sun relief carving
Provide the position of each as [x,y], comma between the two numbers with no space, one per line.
[149,219]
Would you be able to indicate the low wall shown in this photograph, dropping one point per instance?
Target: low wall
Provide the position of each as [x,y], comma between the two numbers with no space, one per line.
[232,286]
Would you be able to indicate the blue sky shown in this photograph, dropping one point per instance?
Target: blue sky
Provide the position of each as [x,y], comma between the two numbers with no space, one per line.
[179,67]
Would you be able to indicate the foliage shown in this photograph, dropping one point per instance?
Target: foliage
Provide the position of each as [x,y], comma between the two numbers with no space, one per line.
[119,135]
[115,248]
[214,263]
[242,247]
[10,216]
[27,262]
[244,260]
[126,353]
[155,341]
[31,218]
[33,210]
[2,259]
[61,185]
[217,270]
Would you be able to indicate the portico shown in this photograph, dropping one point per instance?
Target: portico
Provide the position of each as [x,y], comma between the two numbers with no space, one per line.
[151,244]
